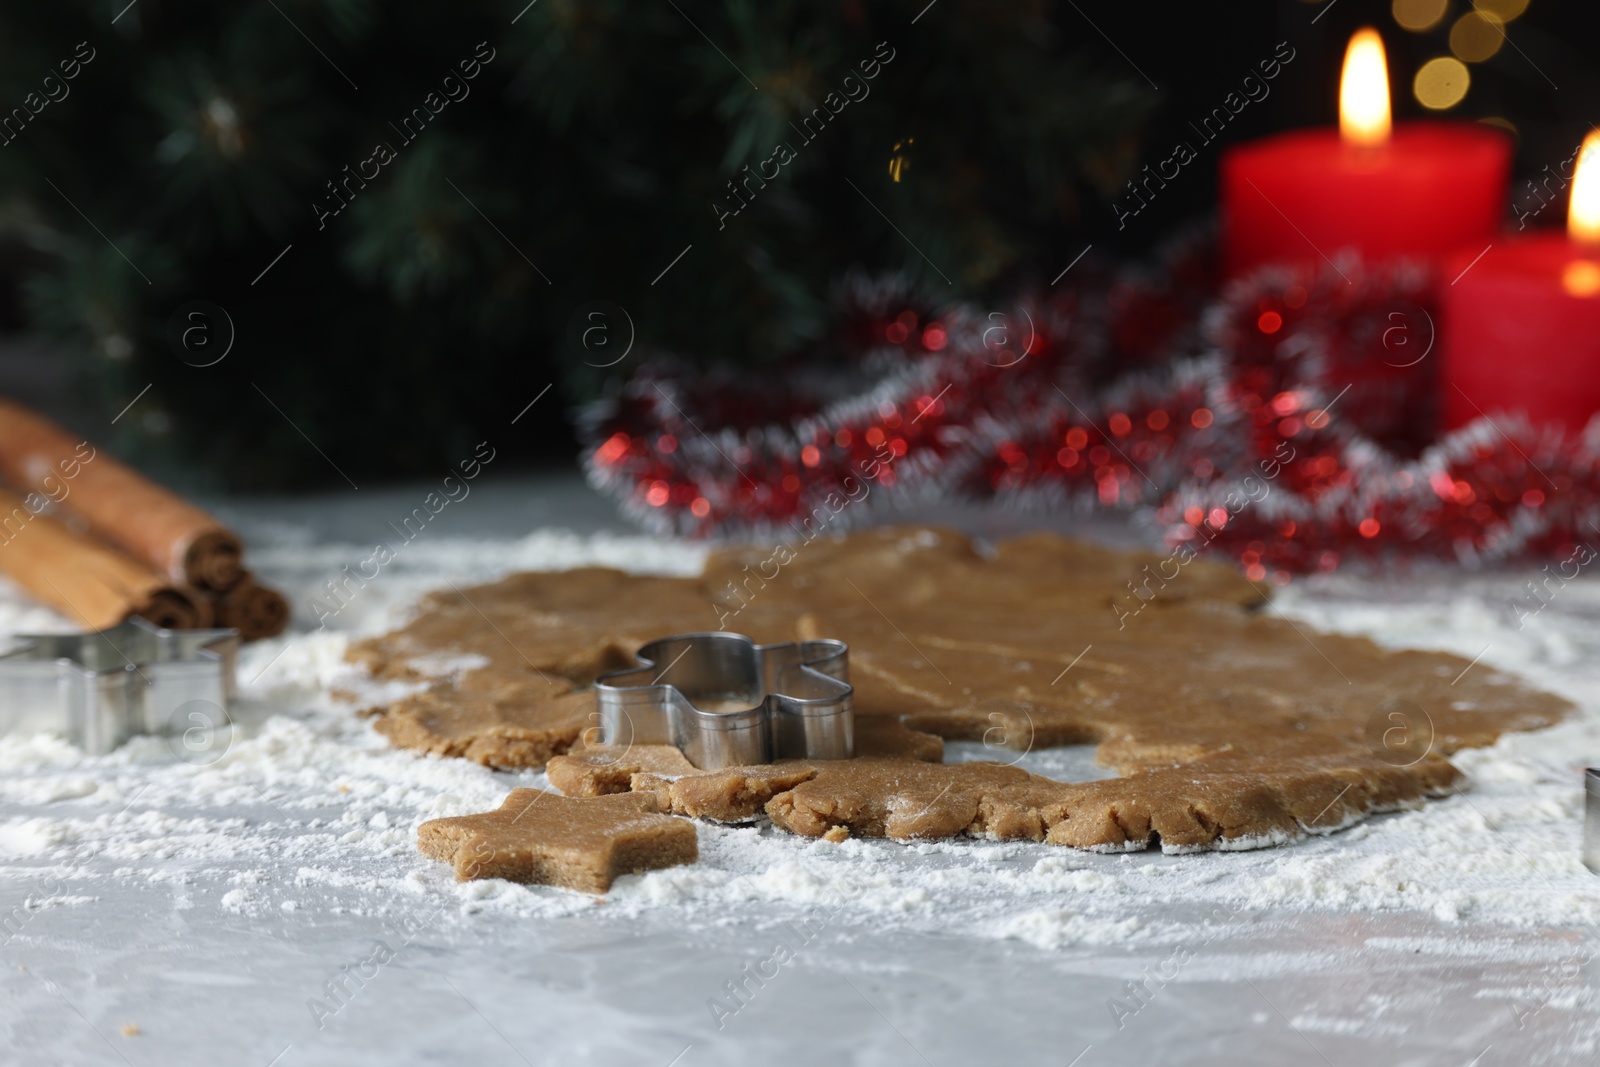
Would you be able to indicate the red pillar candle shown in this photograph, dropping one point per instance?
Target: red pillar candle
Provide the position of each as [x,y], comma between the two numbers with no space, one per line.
[1423,190]
[1519,327]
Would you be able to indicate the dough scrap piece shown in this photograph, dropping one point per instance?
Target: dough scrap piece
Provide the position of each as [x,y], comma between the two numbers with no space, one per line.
[1221,807]
[1228,805]
[734,795]
[600,770]
[597,770]
[737,794]
[547,839]
[1230,725]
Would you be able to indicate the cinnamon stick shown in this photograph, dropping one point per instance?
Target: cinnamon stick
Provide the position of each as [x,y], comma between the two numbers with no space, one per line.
[149,522]
[89,582]
[253,609]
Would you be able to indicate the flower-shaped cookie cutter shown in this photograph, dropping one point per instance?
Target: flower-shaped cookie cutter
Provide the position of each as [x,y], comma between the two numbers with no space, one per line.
[726,701]
[98,689]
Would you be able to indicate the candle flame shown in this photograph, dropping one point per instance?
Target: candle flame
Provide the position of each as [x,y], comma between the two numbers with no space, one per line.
[1364,91]
[1583,215]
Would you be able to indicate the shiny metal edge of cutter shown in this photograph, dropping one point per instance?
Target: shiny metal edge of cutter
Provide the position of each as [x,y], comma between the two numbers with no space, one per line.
[1591,819]
[98,689]
[726,701]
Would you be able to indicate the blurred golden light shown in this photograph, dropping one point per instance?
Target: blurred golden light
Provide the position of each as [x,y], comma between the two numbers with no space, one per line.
[1504,10]
[1419,15]
[898,163]
[1364,91]
[1583,214]
[1441,83]
[1581,278]
[1476,36]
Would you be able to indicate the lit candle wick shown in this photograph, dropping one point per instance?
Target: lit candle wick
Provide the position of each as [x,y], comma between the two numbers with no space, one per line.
[1583,214]
[1364,92]
[1581,277]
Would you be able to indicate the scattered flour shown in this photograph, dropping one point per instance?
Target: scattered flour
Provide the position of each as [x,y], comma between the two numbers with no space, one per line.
[1055,927]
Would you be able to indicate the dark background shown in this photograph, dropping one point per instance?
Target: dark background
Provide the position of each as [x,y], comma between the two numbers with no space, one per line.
[454,288]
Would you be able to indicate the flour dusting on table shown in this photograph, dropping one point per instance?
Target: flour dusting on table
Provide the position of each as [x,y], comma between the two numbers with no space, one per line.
[308,799]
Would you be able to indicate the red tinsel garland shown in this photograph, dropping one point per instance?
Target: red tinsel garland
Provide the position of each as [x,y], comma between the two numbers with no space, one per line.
[1286,420]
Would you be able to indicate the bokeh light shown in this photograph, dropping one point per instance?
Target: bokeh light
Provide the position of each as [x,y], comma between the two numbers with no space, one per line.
[1476,36]
[1419,15]
[1504,10]
[1581,278]
[1441,83]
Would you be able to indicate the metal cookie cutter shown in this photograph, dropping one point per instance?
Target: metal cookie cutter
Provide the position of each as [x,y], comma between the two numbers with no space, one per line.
[1591,819]
[726,701]
[99,689]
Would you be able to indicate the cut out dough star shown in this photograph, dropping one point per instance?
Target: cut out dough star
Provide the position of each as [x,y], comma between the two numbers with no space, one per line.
[547,839]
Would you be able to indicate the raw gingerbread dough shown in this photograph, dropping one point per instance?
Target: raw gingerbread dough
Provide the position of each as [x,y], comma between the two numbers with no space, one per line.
[1230,724]
[1225,804]
[735,795]
[548,839]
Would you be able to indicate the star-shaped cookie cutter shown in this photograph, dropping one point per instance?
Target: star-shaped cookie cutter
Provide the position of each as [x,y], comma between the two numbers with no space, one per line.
[726,701]
[98,689]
